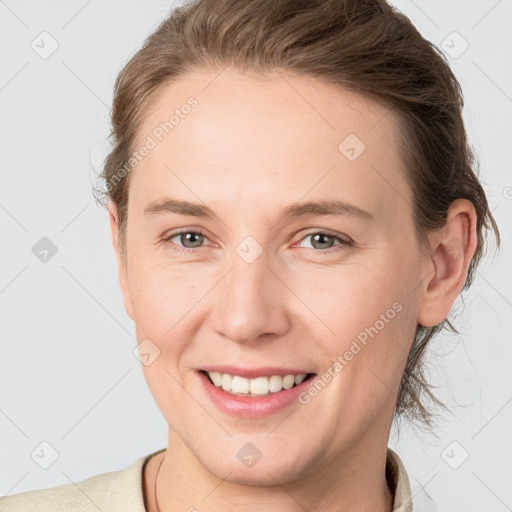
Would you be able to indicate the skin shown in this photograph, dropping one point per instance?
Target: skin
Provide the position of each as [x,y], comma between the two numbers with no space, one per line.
[254,145]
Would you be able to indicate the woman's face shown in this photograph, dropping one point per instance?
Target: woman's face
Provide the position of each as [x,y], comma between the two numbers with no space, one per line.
[242,282]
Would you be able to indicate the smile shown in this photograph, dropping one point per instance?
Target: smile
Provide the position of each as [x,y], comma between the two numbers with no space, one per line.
[255,387]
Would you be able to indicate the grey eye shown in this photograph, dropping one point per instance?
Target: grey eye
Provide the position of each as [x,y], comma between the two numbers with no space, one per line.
[189,239]
[322,241]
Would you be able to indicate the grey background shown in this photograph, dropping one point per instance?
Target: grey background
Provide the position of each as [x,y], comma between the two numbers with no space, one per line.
[68,376]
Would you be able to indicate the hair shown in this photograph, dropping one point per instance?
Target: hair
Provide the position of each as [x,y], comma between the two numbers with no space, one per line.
[365,46]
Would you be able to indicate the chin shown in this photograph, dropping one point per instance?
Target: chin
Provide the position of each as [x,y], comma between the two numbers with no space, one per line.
[240,462]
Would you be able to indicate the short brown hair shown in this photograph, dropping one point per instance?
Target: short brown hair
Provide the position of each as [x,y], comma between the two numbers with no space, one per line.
[366,46]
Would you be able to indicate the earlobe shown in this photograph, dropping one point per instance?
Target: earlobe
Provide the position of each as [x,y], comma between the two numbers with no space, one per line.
[121,264]
[452,248]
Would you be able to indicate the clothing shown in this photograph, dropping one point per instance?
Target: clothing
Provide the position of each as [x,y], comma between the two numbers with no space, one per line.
[122,491]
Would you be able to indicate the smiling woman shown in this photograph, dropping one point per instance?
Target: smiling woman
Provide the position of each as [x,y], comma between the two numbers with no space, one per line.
[288,247]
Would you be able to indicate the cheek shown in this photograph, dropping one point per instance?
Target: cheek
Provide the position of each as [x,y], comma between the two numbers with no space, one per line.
[162,297]
[351,299]
[369,311]
[163,301]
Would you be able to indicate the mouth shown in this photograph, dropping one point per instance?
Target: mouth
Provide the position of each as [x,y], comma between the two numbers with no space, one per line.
[257,386]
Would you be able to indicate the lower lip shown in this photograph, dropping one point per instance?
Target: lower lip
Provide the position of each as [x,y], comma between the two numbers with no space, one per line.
[252,407]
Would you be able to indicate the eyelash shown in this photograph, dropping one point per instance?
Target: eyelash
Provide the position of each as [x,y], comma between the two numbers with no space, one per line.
[344,242]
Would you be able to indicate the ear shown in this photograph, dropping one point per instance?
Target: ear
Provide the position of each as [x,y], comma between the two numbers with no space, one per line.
[121,263]
[451,250]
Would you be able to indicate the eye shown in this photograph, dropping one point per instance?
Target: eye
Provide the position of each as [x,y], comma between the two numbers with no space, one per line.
[323,240]
[190,240]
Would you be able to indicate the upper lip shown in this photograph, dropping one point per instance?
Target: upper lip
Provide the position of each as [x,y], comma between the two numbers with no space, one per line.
[250,373]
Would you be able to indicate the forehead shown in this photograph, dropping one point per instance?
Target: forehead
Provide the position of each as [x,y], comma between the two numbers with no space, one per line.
[256,135]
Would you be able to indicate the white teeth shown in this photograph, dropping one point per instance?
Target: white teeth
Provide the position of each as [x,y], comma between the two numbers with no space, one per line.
[226,381]
[299,378]
[239,384]
[288,381]
[216,378]
[275,383]
[258,386]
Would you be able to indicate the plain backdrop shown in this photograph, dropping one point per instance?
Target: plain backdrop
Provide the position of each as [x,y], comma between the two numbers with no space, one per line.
[68,375]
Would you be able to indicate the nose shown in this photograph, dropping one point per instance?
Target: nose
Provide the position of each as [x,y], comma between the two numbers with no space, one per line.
[252,302]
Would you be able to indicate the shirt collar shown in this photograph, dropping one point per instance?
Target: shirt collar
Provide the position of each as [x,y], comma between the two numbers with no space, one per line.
[398,482]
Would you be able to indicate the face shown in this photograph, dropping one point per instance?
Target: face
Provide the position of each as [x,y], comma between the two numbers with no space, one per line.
[298,256]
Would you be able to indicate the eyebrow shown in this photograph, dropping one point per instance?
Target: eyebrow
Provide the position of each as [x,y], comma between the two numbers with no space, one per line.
[170,205]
